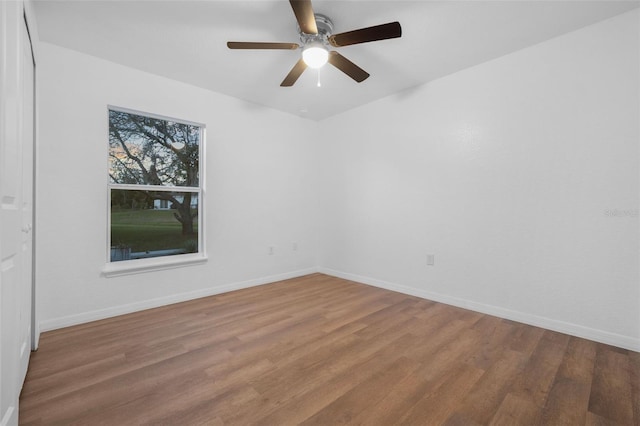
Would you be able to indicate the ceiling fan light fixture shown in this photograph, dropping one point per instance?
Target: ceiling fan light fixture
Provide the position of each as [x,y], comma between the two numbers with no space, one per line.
[315,55]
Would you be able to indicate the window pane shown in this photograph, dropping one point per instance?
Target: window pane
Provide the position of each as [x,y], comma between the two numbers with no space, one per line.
[151,224]
[151,151]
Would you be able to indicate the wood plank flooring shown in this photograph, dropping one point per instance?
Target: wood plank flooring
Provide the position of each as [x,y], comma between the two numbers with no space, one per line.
[319,350]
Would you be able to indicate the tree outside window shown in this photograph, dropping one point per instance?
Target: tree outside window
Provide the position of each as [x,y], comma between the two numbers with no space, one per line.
[154,186]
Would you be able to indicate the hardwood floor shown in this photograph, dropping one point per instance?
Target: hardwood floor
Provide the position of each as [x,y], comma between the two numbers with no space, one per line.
[319,350]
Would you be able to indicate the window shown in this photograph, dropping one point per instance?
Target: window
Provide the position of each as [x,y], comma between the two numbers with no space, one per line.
[155,189]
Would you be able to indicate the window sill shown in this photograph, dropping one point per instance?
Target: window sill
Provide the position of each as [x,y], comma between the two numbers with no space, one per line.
[130,267]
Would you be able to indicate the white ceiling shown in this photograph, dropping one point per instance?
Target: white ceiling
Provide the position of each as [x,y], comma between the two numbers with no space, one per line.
[186,41]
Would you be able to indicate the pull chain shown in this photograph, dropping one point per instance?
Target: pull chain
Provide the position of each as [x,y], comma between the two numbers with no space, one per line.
[319,85]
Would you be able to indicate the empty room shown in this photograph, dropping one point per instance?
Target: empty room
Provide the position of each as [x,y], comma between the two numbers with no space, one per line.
[324,212]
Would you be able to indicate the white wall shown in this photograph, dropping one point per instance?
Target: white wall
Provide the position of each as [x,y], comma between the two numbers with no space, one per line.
[510,172]
[260,190]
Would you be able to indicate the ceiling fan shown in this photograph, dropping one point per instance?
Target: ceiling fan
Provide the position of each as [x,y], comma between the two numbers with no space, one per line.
[316,36]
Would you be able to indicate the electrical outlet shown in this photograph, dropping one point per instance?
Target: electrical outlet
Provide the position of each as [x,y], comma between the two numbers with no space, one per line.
[272,250]
[431,259]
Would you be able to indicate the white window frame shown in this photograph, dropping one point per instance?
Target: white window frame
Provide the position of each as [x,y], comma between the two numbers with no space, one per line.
[135,266]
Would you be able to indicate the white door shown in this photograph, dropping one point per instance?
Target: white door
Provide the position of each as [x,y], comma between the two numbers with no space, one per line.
[16,206]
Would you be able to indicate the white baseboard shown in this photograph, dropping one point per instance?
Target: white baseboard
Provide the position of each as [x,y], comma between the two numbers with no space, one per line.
[36,337]
[84,317]
[601,336]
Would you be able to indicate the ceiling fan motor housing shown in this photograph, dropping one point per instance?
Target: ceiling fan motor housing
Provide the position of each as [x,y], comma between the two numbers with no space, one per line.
[325,29]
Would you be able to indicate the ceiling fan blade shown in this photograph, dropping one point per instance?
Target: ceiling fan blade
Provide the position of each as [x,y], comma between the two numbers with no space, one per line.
[261,45]
[305,16]
[347,67]
[293,75]
[364,35]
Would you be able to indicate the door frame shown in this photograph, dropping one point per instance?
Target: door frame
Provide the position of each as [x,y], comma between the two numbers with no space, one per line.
[31,27]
